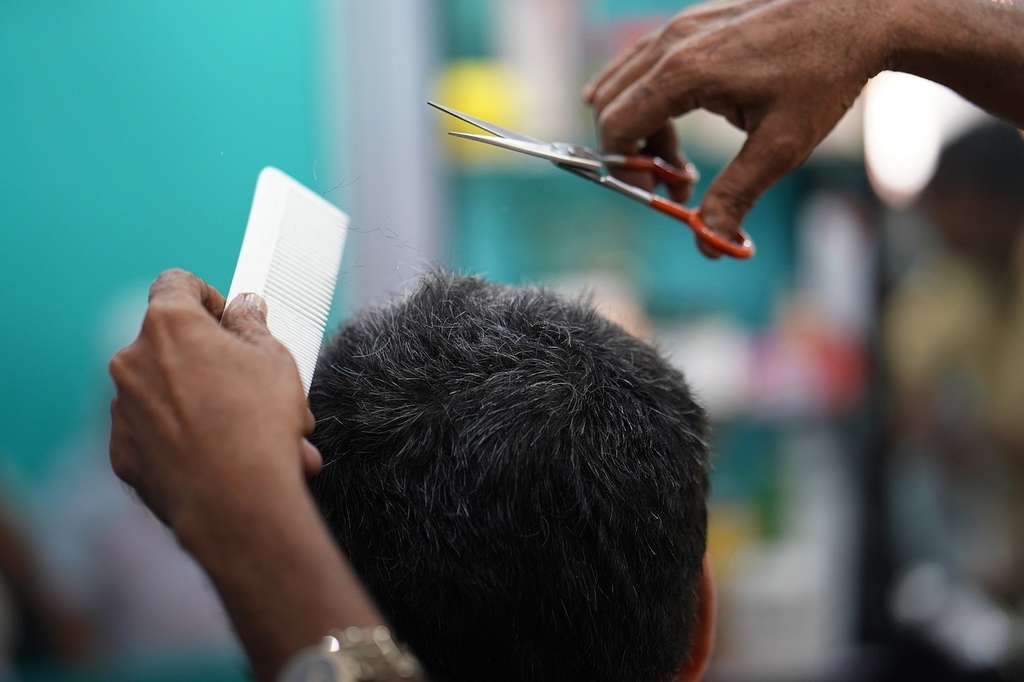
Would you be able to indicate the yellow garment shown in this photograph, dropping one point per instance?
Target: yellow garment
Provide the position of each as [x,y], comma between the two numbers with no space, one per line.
[949,319]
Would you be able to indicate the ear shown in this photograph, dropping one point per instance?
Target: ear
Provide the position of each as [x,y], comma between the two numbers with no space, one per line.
[704,629]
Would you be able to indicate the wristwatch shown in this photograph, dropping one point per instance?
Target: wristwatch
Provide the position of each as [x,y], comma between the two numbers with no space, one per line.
[354,655]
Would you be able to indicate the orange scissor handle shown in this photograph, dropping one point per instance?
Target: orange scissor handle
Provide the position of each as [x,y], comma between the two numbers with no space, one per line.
[740,246]
[659,167]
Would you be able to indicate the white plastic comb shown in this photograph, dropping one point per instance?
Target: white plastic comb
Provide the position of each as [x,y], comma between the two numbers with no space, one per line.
[290,256]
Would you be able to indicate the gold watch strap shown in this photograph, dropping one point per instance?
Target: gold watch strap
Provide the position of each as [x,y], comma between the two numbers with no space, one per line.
[372,655]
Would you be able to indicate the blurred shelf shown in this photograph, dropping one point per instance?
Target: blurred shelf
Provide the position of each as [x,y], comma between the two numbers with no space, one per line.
[515,225]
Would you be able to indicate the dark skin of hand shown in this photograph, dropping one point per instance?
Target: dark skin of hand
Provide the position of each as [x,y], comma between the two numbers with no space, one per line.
[209,427]
[786,71]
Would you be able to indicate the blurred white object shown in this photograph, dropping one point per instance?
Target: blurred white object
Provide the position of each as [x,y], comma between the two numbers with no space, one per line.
[786,608]
[389,149]
[835,263]
[960,618]
[906,121]
[715,355]
[541,43]
[922,594]
[712,135]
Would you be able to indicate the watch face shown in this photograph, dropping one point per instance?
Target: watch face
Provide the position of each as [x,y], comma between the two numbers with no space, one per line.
[320,671]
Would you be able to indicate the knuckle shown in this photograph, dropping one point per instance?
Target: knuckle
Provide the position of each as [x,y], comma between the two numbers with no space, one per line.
[156,315]
[673,69]
[168,276]
[162,317]
[788,150]
[118,367]
[677,80]
[678,28]
[646,88]
[676,58]
[648,39]
[174,273]
[120,464]
[687,25]
[667,32]
[691,68]
[610,128]
[735,202]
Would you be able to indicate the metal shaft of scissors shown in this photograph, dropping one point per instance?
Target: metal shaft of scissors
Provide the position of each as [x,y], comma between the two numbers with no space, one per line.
[541,150]
[611,182]
[486,125]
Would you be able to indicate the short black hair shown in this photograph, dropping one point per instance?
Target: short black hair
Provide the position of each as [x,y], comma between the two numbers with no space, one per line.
[986,160]
[519,482]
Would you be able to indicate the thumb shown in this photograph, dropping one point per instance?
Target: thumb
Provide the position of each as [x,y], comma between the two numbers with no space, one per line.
[246,316]
[773,149]
[312,460]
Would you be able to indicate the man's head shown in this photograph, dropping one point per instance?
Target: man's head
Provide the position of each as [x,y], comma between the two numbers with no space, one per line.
[975,197]
[520,484]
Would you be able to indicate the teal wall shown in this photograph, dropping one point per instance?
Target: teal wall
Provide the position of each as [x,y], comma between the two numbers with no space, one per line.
[131,134]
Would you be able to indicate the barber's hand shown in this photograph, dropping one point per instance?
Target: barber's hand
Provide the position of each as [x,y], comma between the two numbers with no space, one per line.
[210,418]
[785,71]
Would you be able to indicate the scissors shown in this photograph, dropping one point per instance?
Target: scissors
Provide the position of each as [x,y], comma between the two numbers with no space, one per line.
[597,167]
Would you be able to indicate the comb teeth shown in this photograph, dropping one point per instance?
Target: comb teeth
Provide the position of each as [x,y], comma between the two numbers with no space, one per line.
[290,255]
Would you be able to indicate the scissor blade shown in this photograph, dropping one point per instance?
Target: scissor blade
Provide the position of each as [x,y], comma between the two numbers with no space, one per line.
[542,150]
[485,125]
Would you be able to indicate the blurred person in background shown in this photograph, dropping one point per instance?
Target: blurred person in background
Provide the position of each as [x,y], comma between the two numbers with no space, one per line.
[35,622]
[954,332]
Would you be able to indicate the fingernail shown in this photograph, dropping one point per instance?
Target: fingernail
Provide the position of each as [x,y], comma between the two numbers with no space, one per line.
[251,300]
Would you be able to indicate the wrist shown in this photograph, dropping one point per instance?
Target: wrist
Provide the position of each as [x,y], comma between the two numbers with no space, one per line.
[927,37]
[281,577]
[229,521]
[892,29]
[903,36]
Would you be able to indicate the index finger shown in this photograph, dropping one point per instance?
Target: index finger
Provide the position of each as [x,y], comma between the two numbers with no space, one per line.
[591,88]
[183,288]
[646,106]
